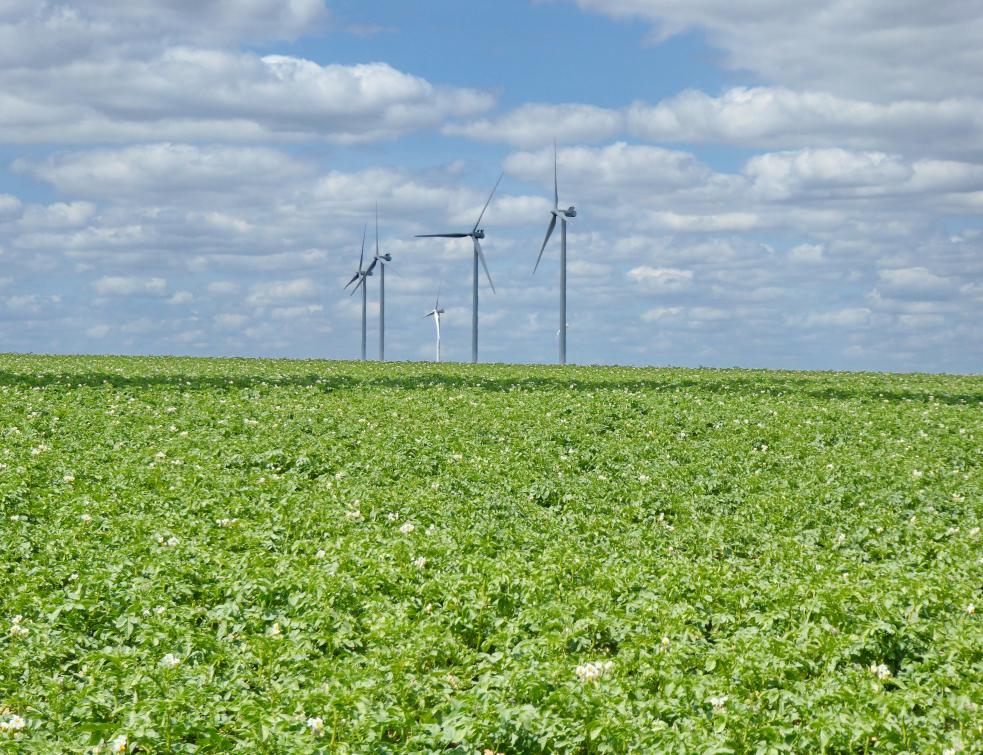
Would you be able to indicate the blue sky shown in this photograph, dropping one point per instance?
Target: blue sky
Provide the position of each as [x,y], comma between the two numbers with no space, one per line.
[765,185]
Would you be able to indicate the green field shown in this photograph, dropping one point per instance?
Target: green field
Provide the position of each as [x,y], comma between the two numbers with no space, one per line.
[291,557]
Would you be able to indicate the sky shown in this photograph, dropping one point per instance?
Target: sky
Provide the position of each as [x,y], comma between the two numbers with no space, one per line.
[758,184]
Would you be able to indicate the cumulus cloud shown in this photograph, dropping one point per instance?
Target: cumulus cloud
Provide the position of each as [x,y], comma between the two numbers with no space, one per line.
[661,279]
[536,124]
[872,49]
[118,285]
[200,94]
[275,292]
[773,117]
[915,283]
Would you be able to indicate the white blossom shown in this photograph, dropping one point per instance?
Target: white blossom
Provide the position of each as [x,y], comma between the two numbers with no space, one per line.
[880,670]
[420,562]
[407,528]
[718,701]
[593,670]
[170,661]
[12,726]
[316,725]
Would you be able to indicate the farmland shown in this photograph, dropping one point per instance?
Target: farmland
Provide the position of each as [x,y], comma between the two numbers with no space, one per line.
[276,556]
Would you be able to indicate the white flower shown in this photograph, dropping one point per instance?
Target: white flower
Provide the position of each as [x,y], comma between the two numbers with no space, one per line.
[665,643]
[172,541]
[85,517]
[593,670]
[880,670]
[275,630]
[643,478]
[160,455]
[69,478]
[320,554]
[119,744]
[354,515]
[407,528]
[170,661]
[316,725]
[12,726]
[225,522]
[970,609]
[718,701]
[171,409]
[916,473]
[393,516]
[17,629]
[974,532]
[420,562]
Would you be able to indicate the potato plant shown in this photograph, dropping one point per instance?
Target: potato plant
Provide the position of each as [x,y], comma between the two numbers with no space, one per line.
[297,557]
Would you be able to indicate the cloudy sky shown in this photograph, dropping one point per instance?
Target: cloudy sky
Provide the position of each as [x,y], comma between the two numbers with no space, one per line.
[761,184]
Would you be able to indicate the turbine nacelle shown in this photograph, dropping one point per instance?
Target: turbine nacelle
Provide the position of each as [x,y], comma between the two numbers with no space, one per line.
[387,257]
[479,233]
[570,212]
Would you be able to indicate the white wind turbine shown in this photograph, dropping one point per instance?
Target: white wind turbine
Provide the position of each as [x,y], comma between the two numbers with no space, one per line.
[435,313]
[556,212]
[475,234]
[381,259]
[360,276]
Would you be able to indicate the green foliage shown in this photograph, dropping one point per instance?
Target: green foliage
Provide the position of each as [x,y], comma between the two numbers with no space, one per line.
[299,557]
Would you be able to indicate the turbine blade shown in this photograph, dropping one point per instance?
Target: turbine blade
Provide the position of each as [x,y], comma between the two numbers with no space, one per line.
[442,235]
[354,278]
[549,232]
[361,256]
[556,188]
[488,202]
[436,303]
[371,266]
[484,264]
[376,229]
[428,314]
[361,282]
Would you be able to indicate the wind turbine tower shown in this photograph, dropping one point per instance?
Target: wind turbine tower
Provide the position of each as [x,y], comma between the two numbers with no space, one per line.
[556,212]
[435,313]
[475,234]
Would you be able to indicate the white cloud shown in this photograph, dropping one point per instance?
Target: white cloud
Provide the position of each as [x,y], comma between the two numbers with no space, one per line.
[848,317]
[263,294]
[780,117]
[536,124]
[874,49]
[201,94]
[163,169]
[661,279]
[915,283]
[58,215]
[10,207]
[807,254]
[118,285]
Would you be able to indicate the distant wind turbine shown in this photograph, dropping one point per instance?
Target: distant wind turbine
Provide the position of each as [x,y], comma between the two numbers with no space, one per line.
[475,234]
[556,212]
[435,313]
[360,276]
[382,259]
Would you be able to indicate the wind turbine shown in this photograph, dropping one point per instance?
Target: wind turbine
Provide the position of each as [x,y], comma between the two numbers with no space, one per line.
[360,276]
[382,259]
[475,234]
[435,313]
[556,212]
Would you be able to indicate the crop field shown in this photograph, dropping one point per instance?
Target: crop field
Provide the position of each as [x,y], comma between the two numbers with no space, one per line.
[296,557]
